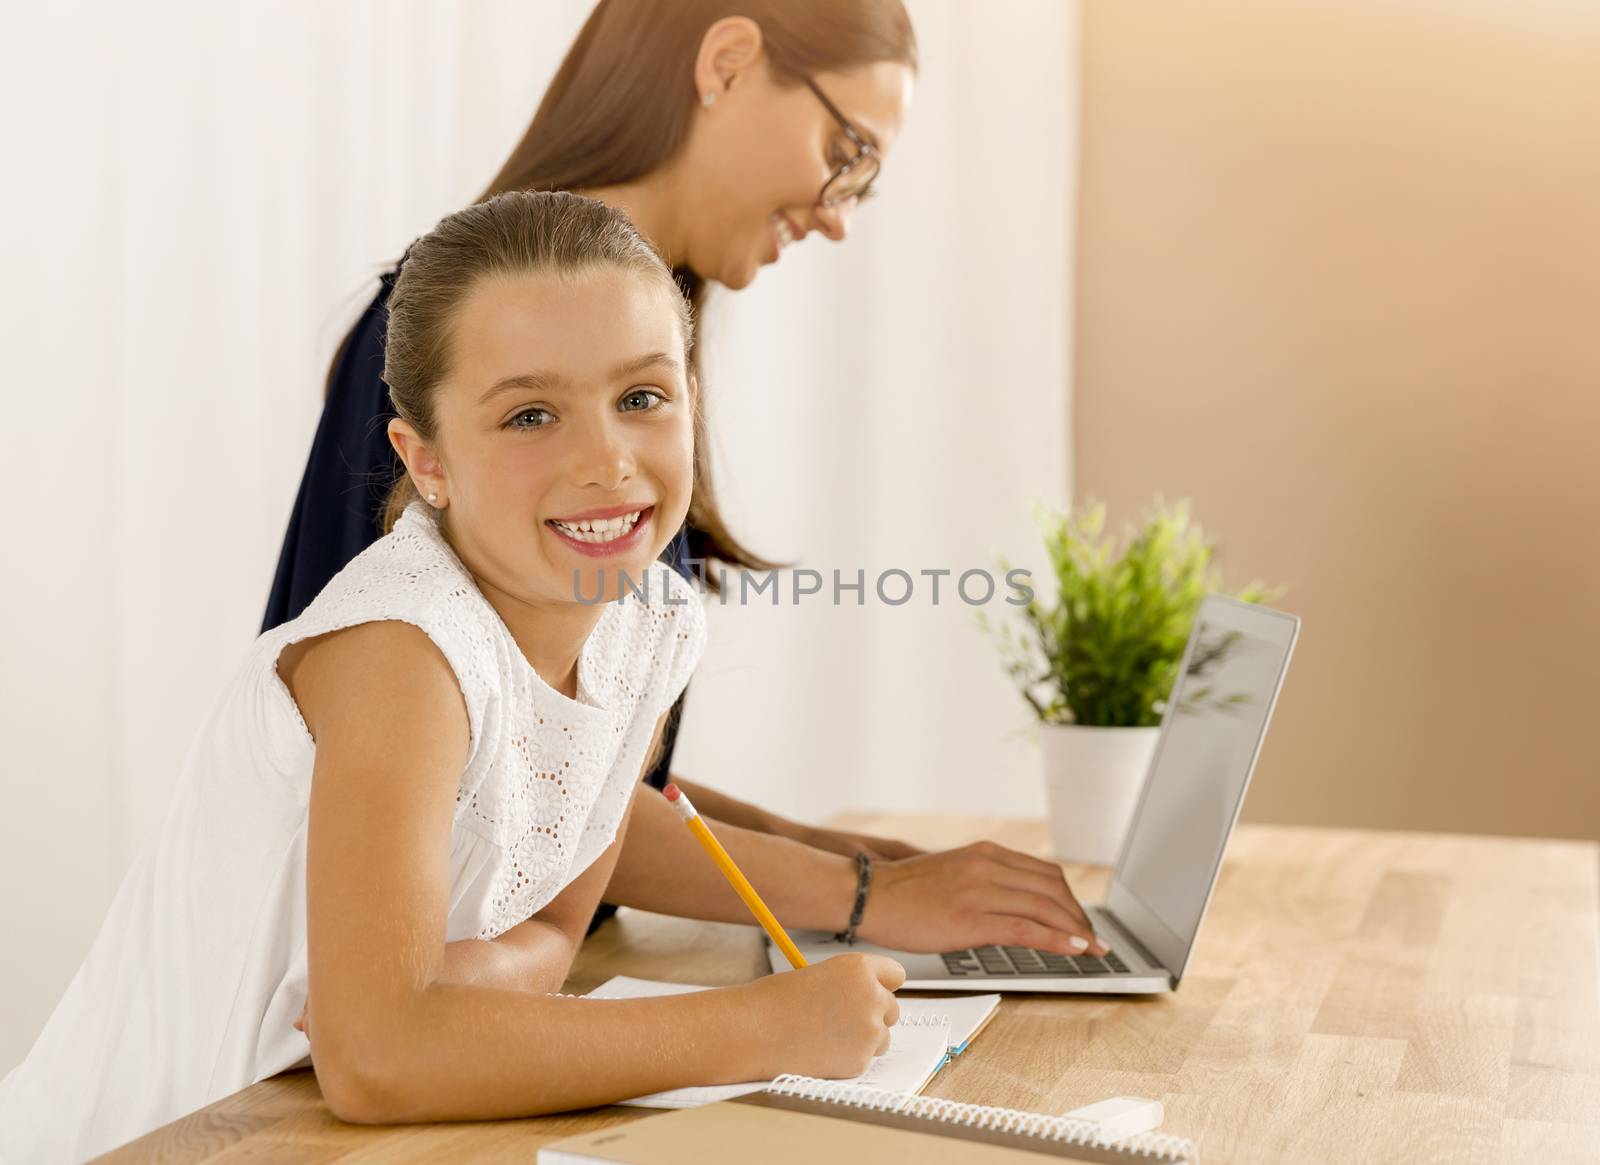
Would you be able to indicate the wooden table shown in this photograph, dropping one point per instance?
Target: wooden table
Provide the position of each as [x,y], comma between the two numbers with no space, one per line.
[1356,996]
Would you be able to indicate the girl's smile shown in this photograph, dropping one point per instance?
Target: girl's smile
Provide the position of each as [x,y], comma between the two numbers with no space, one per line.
[604,533]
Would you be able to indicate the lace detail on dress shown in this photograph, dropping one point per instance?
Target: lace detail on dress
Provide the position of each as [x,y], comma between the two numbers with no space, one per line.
[547,778]
[555,798]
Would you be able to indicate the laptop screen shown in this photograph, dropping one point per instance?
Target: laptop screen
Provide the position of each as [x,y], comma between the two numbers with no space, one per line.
[1212,731]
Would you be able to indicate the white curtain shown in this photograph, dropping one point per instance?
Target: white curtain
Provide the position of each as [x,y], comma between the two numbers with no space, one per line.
[197,196]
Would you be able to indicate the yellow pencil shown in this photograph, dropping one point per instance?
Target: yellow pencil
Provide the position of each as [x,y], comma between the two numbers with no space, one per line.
[735,876]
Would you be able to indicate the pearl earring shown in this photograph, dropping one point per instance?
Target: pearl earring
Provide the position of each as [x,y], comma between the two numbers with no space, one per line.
[708,100]
[432,498]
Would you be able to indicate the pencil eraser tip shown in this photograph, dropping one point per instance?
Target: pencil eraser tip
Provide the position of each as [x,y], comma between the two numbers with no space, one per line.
[671,792]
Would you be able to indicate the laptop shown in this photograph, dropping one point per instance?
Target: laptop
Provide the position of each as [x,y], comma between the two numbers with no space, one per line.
[1211,733]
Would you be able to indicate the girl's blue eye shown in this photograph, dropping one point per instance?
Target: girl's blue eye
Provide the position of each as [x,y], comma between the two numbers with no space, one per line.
[641,400]
[544,415]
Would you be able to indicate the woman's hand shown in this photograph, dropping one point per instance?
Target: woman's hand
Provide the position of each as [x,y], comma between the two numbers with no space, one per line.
[829,1019]
[972,896]
[879,849]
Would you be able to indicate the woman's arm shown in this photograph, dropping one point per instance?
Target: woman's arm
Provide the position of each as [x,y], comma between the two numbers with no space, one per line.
[393,1039]
[663,868]
[973,896]
[732,811]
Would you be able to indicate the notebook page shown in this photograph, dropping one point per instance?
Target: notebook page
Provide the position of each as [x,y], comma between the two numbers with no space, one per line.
[968,1014]
[917,1050]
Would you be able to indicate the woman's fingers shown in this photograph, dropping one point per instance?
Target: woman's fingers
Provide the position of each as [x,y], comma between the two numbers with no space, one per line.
[1026,932]
[1053,888]
[1066,934]
[1030,873]
[948,900]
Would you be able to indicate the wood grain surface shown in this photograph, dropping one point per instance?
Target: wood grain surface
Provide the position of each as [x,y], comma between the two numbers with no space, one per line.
[1356,996]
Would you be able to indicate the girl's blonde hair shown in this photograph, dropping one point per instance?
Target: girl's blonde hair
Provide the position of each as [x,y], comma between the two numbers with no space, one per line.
[515,233]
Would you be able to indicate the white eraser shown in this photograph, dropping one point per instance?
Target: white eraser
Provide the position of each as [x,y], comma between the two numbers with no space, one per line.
[1121,1116]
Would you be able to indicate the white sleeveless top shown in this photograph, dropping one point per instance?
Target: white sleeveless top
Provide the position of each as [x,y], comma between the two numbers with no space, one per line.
[192,986]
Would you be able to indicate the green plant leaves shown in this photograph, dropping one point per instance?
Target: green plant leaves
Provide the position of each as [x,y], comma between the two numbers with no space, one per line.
[1106,652]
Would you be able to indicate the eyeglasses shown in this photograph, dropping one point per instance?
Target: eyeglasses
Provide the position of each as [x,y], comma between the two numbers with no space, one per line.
[852,179]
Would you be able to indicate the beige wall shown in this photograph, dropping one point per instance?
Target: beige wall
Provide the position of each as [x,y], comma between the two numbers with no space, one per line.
[1339,282]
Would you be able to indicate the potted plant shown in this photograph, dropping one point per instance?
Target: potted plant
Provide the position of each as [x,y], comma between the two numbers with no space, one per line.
[1097,663]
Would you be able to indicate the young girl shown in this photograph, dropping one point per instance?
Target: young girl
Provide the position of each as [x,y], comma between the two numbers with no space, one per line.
[728,131]
[395,824]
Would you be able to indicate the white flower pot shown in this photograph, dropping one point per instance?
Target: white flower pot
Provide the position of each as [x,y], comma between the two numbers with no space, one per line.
[1092,778]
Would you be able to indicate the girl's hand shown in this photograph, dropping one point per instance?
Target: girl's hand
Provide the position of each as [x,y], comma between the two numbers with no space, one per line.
[829,1019]
[972,896]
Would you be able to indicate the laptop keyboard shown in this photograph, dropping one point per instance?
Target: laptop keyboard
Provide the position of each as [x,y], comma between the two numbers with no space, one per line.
[987,962]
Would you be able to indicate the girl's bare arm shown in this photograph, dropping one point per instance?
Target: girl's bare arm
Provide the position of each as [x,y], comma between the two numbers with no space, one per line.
[392,1039]
[536,955]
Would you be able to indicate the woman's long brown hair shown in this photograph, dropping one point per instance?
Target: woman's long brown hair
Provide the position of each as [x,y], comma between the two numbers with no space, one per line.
[621,104]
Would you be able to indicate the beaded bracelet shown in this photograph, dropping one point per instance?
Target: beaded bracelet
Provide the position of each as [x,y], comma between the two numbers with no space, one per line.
[863,884]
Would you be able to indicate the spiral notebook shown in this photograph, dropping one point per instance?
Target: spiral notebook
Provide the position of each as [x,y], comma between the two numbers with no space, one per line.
[800,1121]
[919,1045]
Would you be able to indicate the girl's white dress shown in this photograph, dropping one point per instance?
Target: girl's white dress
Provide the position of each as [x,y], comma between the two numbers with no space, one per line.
[192,987]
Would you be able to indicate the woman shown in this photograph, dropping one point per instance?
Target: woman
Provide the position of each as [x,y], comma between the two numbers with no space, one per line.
[726,138]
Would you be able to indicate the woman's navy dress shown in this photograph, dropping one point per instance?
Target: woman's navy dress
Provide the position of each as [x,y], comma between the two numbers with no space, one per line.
[338,512]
